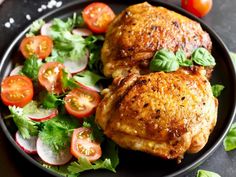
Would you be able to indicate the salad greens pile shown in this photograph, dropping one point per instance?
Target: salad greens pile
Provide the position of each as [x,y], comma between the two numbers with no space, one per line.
[57,132]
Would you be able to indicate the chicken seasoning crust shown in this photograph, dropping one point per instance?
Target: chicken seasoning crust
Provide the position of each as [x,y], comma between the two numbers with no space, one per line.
[140,30]
[163,114]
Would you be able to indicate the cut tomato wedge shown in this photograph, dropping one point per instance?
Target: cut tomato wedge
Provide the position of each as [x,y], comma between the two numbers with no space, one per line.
[83,147]
[98,16]
[50,75]
[40,46]
[81,102]
[16,90]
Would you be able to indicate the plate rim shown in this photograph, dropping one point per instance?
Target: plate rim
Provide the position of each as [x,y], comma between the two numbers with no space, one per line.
[175,8]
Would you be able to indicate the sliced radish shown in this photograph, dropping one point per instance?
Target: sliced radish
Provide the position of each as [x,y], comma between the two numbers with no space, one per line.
[42,114]
[82,32]
[16,70]
[75,66]
[51,157]
[46,28]
[27,145]
[96,88]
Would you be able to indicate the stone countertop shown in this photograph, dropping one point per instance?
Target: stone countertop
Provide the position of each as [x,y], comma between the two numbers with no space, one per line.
[222,19]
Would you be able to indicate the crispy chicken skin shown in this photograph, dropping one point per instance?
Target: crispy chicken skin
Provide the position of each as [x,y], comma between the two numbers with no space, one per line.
[140,30]
[163,114]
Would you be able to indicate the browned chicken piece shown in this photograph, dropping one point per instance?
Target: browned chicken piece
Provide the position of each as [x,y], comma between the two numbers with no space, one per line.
[140,30]
[163,114]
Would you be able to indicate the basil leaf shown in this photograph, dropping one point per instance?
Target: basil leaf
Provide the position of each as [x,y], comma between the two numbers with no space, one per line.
[217,89]
[202,57]
[204,173]
[230,139]
[164,60]
[182,59]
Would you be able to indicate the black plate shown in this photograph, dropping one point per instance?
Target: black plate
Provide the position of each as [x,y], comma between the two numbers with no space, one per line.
[136,163]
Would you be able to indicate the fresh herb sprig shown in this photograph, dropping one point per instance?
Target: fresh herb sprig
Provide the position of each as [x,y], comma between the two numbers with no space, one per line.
[205,173]
[167,61]
[26,127]
[217,89]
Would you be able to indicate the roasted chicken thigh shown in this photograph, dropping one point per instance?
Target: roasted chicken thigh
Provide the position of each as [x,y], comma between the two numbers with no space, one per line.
[163,114]
[140,30]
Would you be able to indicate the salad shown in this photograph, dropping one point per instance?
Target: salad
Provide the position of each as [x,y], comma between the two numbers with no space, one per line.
[53,92]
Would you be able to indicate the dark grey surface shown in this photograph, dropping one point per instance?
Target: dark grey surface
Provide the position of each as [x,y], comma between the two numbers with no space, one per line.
[222,19]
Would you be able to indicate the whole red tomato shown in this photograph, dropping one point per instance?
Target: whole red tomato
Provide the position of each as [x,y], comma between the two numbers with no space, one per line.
[200,8]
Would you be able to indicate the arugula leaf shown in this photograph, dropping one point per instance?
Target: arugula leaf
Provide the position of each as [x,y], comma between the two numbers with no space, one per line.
[110,151]
[87,78]
[31,67]
[94,44]
[203,57]
[230,139]
[61,170]
[56,131]
[26,127]
[164,60]
[84,165]
[78,20]
[50,100]
[97,133]
[35,27]
[91,40]
[204,173]
[54,57]
[217,89]
[68,82]
[182,59]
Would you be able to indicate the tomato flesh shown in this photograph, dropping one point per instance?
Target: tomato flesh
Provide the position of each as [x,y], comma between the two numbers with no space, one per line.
[83,147]
[81,102]
[200,8]
[50,75]
[40,46]
[16,90]
[98,16]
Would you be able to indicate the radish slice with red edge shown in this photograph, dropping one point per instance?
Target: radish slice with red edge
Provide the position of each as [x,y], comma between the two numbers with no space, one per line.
[51,157]
[27,145]
[16,70]
[42,114]
[96,88]
[45,29]
[77,65]
[82,32]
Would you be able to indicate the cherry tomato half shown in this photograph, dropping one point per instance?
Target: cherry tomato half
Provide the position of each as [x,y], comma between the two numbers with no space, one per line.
[81,102]
[50,75]
[98,16]
[16,90]
[36,45]
[83,147]
[200,8]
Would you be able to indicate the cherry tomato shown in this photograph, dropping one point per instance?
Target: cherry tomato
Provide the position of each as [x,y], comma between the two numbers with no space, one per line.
[83,147]
[50,76]
[200,8]
[16,90]
[81,102]
[36,45]
[98,16]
